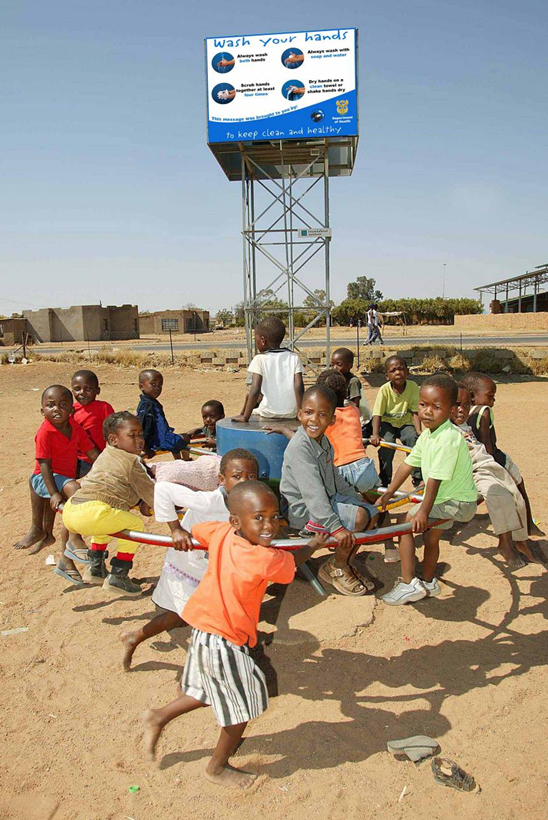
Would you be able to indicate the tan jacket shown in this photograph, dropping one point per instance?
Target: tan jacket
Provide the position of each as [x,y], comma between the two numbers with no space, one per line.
[119,479]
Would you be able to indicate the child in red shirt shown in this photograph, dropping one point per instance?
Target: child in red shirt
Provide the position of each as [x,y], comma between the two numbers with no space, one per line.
[90,412]
[224,613]
[58,441]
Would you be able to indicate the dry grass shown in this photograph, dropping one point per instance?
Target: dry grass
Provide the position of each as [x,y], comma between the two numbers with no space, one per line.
[424,359]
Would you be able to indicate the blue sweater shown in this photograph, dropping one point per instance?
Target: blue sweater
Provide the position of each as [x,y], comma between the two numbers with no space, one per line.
[158,434]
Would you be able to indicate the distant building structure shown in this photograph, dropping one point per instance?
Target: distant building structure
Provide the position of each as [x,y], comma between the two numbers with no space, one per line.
[82,323]
[520,294]
[187,320]
[12,331]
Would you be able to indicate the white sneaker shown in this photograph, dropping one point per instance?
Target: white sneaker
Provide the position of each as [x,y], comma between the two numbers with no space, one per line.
[402,593]
[432,588]
[391,555]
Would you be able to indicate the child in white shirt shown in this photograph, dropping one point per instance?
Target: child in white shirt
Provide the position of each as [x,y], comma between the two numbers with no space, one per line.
[277,374]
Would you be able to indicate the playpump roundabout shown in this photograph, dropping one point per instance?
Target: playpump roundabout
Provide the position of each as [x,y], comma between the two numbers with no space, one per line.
[257,438]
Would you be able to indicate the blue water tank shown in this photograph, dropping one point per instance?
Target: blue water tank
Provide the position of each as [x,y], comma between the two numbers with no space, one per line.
[268,448]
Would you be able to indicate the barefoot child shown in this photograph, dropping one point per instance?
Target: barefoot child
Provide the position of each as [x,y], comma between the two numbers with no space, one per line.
[58,441]
[502,497]
[157,432]
[224,612]
[276,372]
[90,413]
[450,493]
[318,497]
[482,421]
[183,571]
[395,416]
[101,507]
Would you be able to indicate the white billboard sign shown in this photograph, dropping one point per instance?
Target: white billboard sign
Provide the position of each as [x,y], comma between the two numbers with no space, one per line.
[297,85]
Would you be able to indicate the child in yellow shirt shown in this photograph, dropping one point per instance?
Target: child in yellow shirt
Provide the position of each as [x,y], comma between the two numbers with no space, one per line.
[395,416]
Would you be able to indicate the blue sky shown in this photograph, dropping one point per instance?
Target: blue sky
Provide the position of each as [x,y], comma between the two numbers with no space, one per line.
[109,192]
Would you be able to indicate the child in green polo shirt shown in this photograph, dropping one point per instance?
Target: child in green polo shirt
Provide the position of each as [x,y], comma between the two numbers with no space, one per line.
[395,416]
[450,493]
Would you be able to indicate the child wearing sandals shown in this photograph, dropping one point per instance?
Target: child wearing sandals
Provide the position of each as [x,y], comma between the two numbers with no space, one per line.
[183,571]
[450,493]
[318,497]
[502,497]
[118,482]
[220,670]
[482,421]
[57,443]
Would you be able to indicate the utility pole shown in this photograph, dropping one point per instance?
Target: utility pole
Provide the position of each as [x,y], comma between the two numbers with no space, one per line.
[443,286]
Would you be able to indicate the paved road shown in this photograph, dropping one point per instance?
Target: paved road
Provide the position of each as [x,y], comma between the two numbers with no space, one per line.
[392,341]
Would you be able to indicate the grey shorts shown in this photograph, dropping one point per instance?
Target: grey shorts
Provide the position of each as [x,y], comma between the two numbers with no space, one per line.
[462,511]
[225,677]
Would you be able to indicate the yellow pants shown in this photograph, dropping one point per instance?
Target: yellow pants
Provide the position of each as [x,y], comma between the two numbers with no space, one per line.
[100,521]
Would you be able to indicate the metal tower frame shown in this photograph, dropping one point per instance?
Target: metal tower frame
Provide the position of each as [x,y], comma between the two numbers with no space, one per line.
[278,233]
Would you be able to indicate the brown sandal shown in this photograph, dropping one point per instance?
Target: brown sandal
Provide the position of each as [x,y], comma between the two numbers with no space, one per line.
[366,580]
[343,579]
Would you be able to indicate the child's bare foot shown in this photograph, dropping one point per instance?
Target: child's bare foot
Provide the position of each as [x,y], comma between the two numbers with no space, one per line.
[532,552]
[34,535]
[153,730]
[130,645]
[46,542]
[230,778]
[510,554]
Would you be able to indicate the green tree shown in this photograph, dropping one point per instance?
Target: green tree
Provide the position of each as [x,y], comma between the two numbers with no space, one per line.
[431,311]
[364,288]
[224,317]
[351,310]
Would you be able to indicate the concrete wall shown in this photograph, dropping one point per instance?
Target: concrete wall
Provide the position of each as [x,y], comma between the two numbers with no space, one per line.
[39,324]
[123,321]
[12,330]
[83,323]
[186,320]
[503,321]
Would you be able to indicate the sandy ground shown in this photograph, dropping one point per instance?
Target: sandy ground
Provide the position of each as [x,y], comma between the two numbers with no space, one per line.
[468,668]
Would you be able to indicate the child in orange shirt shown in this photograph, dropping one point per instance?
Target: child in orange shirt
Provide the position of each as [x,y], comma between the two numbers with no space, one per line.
[224,613]
[346,437]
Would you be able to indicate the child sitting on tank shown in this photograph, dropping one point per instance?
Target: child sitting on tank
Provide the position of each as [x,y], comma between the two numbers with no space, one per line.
[276,373]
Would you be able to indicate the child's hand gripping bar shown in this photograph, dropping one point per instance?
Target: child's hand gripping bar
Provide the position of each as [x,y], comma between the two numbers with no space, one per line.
[390,446]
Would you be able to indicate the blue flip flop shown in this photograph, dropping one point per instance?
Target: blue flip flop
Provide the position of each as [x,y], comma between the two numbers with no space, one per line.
[74,554]
[70,575]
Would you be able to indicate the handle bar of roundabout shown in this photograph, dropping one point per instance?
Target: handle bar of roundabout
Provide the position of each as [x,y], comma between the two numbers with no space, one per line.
[291,544]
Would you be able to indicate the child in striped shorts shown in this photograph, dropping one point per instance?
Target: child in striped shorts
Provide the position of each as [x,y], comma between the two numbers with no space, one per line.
[224,612]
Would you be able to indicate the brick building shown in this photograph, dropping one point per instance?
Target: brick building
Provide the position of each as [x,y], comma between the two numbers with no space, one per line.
[188,320]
